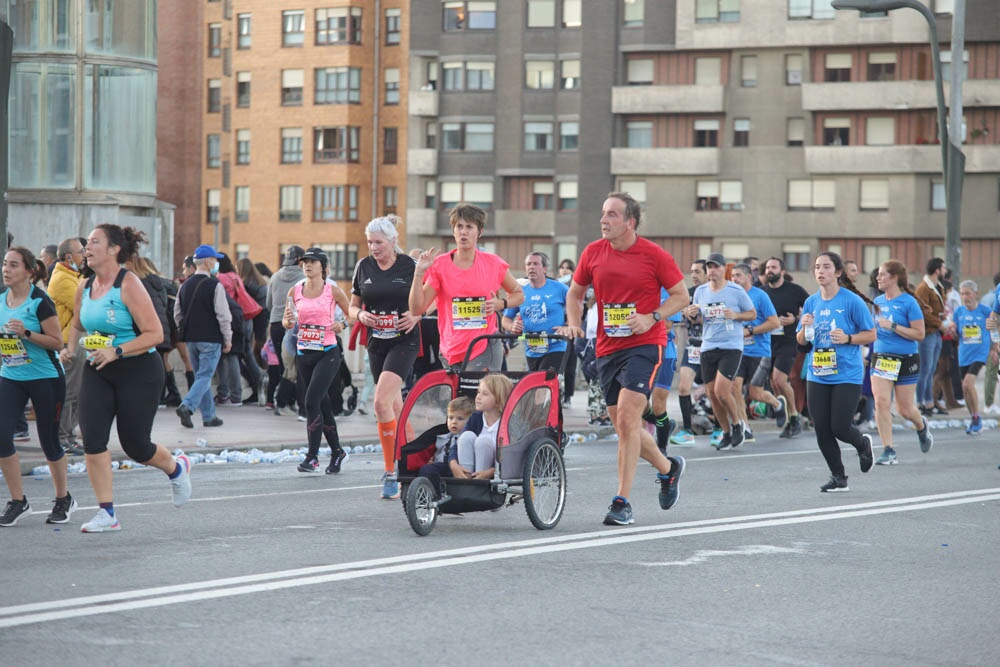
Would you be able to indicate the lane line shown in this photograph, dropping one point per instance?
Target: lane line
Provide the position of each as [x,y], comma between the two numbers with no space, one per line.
[196,591]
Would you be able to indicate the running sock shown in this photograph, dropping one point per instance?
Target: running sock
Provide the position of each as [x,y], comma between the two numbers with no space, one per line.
[387,438]
[660,420]
[686,410]
[109,508]
[177,471]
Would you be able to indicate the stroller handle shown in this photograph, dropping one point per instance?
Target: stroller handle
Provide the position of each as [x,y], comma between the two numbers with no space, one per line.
[509,336]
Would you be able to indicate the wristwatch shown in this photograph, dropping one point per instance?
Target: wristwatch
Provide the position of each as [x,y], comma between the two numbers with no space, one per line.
[27,333]
[656,316]
[893,326]
[119,352]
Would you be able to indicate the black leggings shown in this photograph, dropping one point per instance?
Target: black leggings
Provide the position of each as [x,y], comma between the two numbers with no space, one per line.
[316,371]
[47,397]
[832,408]
[128,389]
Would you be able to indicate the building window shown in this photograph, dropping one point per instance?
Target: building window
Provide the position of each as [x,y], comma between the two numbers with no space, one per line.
[214,95]
[242,146]
[390,141]
[538,136]
[880,131]
[214,40]
[335,202]
[717,11]
[479,76]
[340,25]
[391,78]
[453,192]
[875,255]
[569,135]
[807,195]
[336,144]
[243,89]
[639,134]
[882,66]
[242,251]
[719,195]
[938,198]
[243,25]
[874,194]
[467,136]
[390,199]
[707,71]
[290,205]
[343,258]
[836,131]
[393,26]
[539,74]
[542,195]
[291,87]
[469,15]
[748,71]
[797,256]
[431,135]
[212,198]
[837,67]
[572,16]
[213,151]
[291,145]
[338,85]
[793,69]
[541,13]
[567,195]
[639,72]
[810,9]
[242,203]
[430,195]
[796,131]
[741,132]
[635,188]
[569,75]
[453,77]
[706,133]
[633,13]
[293,28]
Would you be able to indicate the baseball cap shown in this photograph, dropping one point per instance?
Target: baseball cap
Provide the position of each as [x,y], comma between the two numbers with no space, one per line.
[716,258]
[292,255]
[315,254]
[206,251]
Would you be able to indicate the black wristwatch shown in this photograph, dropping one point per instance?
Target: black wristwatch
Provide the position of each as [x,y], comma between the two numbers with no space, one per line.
[656,316]
[27,333]
[119,352]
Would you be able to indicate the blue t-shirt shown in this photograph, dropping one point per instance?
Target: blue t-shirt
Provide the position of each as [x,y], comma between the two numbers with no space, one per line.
[719,333]
[543,310]
[904,310]
[670,351]
[23,360]
[759,345]
[973,337]
[831,363]
[108,316]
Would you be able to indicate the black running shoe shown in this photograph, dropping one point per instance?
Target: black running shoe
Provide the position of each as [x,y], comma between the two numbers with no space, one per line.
[736,439]
[336,461]
[14,511]
[670,489]
[309,465]
[865,455]
[726,442]
[794,426]
[834,485]
[781,412]
[619,513]
[62,509]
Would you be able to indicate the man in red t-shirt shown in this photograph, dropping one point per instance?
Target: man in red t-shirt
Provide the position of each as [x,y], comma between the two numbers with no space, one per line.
[627,272]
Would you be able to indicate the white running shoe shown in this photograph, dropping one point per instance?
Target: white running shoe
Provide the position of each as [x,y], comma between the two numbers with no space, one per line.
[101,523]
[181,485]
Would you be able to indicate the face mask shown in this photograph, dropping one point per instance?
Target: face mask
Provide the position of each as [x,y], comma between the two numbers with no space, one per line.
[73,266]
[215,269]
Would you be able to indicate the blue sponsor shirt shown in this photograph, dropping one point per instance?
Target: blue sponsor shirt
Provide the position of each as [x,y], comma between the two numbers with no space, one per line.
[543,310]
[903,310]
[973,337]
[23,360]
[718,333]
[759,344]
[832,363]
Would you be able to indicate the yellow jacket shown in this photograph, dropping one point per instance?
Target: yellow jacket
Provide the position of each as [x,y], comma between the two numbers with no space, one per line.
[62,291]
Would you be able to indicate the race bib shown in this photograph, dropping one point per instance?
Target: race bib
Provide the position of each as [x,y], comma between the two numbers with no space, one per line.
[96,341]
[12,350]
[311,337]
[616,319]
[824,361]
[536,344]
[468,313]
[887,368]
[714,313]
[747,336]
[972,334]
[694,355]
[386,326]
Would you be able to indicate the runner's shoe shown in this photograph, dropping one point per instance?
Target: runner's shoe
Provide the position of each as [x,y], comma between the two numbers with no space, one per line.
[62,510]
[309,465]
[794,426]
[835,484]
[338,459]
[748,436]
[865,454]
[619,513]
[926,438]
[781,412]
[716,438]
[101,523]
[725,443]
[670,489]
[181,485]
[888,457]
[14,511]
[390,487]
[736,436]
[975,426]
[683,438]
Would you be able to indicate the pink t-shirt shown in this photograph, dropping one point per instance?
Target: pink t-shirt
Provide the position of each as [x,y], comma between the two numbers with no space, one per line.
[461,294]
[315,319]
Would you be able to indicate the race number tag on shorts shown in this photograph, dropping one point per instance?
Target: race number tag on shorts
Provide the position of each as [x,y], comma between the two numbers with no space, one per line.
[311,337]
[887,368]
[694,355]
[96,341]
[824,361]
[616,319]
[747,336]
[972,334]
[468,312]
[714,313]
[12,350]
[386,325]
[536,344]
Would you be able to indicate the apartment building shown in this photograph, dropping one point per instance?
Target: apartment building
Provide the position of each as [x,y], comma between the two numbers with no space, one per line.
[772,127]
[302,118]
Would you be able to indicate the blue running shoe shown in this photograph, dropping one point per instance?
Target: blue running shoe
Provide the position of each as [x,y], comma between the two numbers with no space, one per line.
[670,489]
[619,513]
[716,437]
[390,487]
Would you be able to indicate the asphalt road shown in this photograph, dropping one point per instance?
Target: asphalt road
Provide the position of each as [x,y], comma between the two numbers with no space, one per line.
[754,566]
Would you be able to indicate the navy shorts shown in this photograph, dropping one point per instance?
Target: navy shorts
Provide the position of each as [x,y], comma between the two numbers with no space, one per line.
[748,367]
[635,369]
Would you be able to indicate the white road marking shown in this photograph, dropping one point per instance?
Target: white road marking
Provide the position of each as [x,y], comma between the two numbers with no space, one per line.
[41,612]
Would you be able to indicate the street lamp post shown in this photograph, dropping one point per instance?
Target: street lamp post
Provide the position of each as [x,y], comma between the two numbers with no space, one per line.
[952,158]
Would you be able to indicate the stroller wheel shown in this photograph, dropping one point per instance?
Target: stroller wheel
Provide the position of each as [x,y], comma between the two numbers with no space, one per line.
[421,510]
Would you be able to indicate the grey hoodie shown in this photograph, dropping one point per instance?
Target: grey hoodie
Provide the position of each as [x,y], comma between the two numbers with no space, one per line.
[277,290]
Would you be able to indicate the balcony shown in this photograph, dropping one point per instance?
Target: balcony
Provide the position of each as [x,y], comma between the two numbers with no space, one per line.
[667,99]
[873,159]
[423,103]
[982,159]
[509,222]
[664,161]
[893,95]
[421,222]
[422,162]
